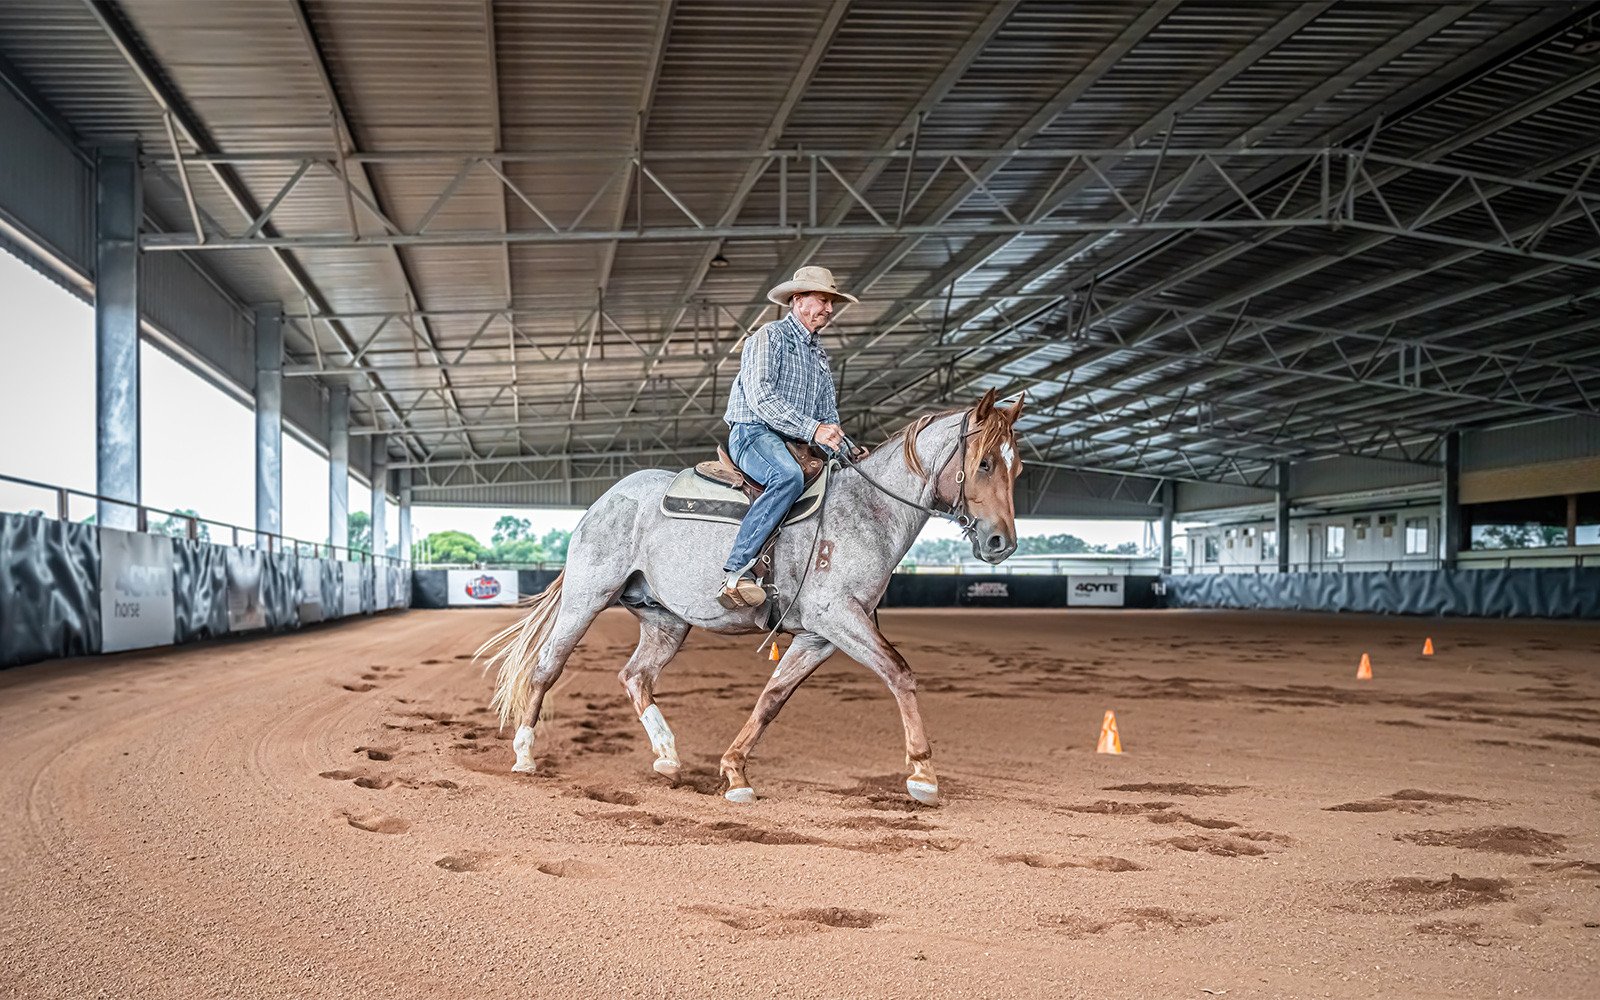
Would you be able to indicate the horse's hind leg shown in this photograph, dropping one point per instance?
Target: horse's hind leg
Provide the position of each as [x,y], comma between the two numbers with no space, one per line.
[576,613]
[661,635]
[805,655]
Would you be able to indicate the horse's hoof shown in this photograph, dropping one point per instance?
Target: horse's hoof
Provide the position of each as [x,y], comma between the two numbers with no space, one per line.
[521,767]
[742,796]
[923,791]
[667,768]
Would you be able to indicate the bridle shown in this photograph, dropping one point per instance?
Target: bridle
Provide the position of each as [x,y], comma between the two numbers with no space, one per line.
[955,513]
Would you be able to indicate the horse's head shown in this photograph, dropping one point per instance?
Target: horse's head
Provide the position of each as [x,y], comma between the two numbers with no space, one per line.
[991,469]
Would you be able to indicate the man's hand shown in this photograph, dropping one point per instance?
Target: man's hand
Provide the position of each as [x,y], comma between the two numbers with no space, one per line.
[829,436]
[862,451]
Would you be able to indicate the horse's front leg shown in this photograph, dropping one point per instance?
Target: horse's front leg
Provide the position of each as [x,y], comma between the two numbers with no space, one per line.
[805,655]
[859,638]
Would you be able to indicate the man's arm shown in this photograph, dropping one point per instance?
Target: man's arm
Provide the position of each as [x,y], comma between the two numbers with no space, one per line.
[763,394]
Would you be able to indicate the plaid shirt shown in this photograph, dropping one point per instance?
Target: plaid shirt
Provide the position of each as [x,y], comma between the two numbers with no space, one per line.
[783,382]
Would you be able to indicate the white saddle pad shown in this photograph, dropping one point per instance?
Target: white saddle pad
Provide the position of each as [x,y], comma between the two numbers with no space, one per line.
[696,498]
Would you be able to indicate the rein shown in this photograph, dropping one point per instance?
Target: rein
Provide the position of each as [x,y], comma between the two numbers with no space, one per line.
[957,512]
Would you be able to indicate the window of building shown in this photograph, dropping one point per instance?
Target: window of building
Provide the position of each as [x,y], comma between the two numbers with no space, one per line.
[1269,543]
[1361,524]
[1249,537]
[1386,522]
[1335,541]
[1211,548]
[1417,536]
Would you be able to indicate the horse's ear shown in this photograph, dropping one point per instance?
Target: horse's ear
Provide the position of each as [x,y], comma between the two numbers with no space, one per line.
[984,408]
[1015,409]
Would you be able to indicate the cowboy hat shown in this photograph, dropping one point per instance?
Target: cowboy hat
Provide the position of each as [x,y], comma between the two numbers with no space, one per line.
[808,279]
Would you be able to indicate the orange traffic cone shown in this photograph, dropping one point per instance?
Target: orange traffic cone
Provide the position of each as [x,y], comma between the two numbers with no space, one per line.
[1364,672]
[774,655]
[1110,739]
[1427,647]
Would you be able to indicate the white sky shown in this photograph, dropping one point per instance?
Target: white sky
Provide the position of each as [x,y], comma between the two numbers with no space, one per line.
[199,444]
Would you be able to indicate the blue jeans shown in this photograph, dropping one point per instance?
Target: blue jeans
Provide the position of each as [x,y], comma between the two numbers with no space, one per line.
[759,451]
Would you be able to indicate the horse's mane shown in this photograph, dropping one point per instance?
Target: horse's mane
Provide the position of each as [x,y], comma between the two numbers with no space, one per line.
[989,433]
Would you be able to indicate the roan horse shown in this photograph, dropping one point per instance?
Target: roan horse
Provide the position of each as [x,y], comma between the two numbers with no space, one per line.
[831,576]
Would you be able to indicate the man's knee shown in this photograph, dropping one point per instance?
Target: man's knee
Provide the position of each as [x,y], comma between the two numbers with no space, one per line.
[787,480]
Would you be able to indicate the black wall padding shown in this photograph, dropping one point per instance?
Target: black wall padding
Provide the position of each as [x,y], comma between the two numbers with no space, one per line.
[369,593]
[534,581]
[332,589]
[280,590]
[199,589]
[49,589]
[428,588]
[1501,593]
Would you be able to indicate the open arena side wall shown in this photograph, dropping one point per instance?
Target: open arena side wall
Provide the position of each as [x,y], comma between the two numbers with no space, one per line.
[70,589]
[438,588]
[1485,593]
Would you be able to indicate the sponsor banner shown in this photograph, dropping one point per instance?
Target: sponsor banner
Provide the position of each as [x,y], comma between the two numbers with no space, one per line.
[986,593]
[351,572]
[1095,591]
[136,607]
[246,609]
[473,586]
[310,591]
[380,586]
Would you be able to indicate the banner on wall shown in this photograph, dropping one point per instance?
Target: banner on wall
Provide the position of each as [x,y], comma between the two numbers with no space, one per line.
[1095,591]
[352,588]
[472,586]
[380,587]
[246,609]
[310,591]
[136,606]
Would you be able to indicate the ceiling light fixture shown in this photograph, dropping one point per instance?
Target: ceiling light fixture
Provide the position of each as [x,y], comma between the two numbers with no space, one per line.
[719,261]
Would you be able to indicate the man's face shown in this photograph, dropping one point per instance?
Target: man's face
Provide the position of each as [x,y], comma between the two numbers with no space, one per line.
[814,309]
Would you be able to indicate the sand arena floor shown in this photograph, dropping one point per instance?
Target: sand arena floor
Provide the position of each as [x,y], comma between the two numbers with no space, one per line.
[330,814]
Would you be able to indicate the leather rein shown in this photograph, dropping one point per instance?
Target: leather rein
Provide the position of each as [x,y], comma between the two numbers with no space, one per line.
[956,513]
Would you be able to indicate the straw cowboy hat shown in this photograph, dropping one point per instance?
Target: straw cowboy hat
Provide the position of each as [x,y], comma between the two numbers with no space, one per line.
[808,279]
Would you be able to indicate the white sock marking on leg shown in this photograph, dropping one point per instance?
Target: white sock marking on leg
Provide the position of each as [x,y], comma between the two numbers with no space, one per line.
[661,739]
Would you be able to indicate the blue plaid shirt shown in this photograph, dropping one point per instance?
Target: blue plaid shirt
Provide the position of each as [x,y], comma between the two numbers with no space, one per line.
[783,382]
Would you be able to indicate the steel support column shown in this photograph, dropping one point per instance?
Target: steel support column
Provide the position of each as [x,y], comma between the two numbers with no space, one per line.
[269,423]
[339,467]
[1451,528]
[1282,490]
[405,514]
[118,208]
[1169,501]
[380,493]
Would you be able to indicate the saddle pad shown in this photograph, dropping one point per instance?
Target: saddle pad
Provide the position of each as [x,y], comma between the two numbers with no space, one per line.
[696,498]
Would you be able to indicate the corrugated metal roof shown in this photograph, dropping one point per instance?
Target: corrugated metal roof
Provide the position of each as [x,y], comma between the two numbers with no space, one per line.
[663,134]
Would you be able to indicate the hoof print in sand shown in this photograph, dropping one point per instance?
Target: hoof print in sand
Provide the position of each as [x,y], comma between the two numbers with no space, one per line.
[1143,918]
[360,687]
[1242,844]
[1175,788]
[1104,863]
[376,753]
[464,861]
[779,923]
[1495,839]
[376,822]
[573,869]
[1425,895]
[1407,800]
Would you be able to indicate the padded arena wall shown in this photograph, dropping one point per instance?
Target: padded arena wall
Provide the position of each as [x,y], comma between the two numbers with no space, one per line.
[51,584]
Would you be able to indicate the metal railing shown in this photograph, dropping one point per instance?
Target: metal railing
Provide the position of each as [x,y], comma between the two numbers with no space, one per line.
[270,542]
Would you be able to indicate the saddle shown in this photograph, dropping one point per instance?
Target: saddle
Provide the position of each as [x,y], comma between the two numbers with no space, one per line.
[724,471]
[721,491]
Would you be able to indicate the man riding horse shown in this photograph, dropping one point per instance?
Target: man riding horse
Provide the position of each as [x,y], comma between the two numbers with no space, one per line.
[784,391]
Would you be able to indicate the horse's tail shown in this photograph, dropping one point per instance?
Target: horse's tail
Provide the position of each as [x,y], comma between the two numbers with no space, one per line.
[516,651]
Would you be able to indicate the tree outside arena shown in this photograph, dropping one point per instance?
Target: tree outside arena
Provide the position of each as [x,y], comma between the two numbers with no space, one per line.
[514,542]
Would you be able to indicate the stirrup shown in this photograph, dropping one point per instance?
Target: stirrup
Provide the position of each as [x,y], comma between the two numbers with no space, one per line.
[745,594]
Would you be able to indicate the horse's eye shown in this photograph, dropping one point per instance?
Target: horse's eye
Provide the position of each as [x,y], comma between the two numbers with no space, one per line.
[984,466]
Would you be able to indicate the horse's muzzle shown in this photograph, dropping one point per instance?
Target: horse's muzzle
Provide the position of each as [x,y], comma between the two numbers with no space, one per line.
[993,547]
